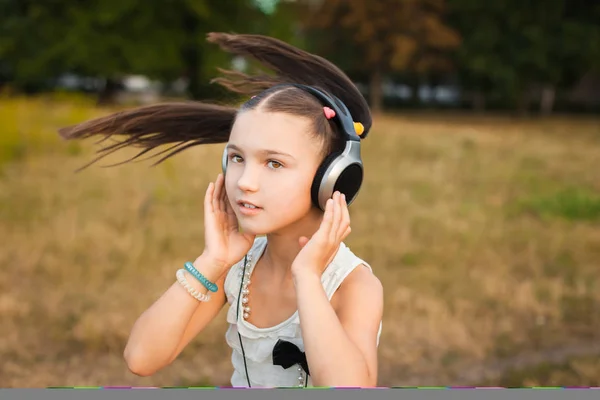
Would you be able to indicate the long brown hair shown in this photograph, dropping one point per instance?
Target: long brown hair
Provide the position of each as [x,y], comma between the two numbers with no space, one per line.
[185,124]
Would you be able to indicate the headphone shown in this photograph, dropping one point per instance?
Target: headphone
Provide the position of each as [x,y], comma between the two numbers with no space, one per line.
[340,171]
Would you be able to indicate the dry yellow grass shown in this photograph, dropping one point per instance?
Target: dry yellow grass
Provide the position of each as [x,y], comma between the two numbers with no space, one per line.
[484,231]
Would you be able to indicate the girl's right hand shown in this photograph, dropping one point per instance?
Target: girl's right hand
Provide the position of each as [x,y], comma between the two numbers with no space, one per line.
[224,243]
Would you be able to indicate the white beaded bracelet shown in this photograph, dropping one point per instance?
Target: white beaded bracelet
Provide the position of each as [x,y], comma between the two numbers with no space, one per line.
[191,290]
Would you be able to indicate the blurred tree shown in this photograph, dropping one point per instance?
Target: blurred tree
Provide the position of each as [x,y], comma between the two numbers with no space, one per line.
[111,38]
[512,47]
[378,37]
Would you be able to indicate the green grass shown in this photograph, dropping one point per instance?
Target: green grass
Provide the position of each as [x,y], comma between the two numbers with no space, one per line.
[29,126]
[576,203]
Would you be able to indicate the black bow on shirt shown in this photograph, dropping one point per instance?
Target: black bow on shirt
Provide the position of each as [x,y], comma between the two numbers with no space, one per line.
[287,354]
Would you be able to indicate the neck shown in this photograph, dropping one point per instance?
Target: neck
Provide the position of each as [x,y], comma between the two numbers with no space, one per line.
[283,246]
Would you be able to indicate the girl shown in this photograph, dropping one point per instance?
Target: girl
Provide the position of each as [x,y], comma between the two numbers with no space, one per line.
[304,310]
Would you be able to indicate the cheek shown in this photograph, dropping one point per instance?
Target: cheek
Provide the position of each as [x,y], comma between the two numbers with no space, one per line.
[291,196]
[294,192]
[230,185]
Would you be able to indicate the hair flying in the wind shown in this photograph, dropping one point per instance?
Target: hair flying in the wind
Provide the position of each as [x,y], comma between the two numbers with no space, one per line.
[181,125]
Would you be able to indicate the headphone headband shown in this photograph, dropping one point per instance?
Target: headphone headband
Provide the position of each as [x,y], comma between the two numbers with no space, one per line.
[342,117]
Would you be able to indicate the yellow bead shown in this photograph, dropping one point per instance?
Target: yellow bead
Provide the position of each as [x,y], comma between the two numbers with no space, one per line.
[359,128]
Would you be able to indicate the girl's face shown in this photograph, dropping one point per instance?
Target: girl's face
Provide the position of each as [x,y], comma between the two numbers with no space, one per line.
[272,160]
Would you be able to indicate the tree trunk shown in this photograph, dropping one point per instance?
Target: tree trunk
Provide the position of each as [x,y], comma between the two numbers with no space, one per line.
[376,90]
[108,93]
[523,100]
[415,85]
[478,99]
[547,99]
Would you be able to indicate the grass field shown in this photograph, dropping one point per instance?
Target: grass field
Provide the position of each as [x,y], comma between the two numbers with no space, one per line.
[485,232]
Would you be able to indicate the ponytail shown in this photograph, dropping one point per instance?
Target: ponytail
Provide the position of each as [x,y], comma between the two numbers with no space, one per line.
[182,125]
[291,65]
[187,124]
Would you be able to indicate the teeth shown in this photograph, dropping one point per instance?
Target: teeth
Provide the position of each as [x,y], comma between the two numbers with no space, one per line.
[249,205]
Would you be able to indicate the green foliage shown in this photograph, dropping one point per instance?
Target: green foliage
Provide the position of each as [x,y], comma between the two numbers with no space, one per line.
[110,38]
[505,47]
[509,45]
[387,35]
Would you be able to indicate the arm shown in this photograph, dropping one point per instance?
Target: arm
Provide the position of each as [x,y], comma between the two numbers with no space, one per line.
[167,326]
[162,331]
[341,343]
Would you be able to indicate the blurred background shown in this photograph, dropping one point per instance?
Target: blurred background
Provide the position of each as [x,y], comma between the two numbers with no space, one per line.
[480,210]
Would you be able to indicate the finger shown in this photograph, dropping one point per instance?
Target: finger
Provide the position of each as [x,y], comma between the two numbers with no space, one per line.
[323,232]
[217,193]
[345,216]
[231,217]
[325,227]
[208,196]
[336,217]
[346,233]
[302,241]
[223,200]
[228,209]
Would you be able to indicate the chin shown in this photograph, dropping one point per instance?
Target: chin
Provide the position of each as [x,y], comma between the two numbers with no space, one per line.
[259,229]
[260,225]
[253,229]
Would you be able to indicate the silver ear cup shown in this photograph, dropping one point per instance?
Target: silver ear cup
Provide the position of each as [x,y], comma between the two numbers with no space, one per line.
[224,161]
[344,173]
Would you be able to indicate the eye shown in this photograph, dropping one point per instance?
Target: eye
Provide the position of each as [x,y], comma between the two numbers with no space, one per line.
[235,158]
[275,164]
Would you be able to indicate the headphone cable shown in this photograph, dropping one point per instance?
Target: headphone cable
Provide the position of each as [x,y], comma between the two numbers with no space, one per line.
[237,318]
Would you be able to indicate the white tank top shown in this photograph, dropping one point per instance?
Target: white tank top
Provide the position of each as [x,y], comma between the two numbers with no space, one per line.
[258,343]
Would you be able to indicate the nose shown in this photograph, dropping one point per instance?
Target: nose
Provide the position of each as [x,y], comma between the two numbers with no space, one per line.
[248,180]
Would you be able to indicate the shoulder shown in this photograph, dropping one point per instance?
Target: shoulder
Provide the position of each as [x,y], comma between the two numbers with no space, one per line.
[360,291]
[358,277]
[359,308]
[358,302]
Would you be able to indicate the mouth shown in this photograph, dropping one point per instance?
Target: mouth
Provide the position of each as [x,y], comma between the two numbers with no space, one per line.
[248,208]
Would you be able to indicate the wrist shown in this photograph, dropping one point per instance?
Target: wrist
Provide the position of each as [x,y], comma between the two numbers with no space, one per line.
[301,275]
[194,283]
[209,267]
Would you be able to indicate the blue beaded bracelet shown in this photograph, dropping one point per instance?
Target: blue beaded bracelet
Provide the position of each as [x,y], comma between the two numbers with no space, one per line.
[207,284]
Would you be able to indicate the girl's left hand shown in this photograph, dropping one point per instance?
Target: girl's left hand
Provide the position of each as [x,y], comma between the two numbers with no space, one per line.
[319,251]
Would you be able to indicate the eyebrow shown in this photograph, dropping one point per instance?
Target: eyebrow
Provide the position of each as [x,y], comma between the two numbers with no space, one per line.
[265,151]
